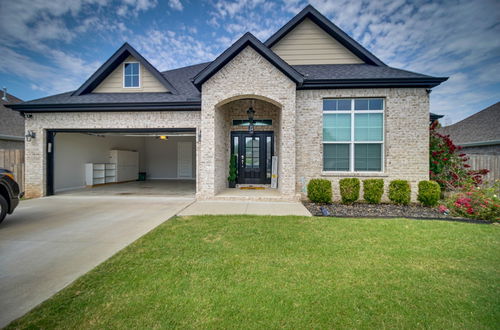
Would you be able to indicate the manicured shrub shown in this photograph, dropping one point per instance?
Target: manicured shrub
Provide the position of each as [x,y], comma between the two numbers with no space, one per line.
[400,192]
[349,190]
[429,193]
[373,189]
[319,191]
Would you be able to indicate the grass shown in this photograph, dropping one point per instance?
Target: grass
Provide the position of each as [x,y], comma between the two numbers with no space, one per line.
[289,272]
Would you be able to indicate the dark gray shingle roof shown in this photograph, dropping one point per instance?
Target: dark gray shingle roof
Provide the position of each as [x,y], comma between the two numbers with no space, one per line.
[480,127]
[353,71]
[182,80]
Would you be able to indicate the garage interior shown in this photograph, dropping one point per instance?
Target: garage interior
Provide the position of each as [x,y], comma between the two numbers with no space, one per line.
[124,163]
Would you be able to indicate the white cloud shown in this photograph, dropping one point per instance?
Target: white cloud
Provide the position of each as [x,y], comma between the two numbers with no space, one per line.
[175,4]
[47,78]
[170,50]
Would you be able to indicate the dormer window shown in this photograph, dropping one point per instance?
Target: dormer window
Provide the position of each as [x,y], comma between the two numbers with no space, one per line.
[131,75]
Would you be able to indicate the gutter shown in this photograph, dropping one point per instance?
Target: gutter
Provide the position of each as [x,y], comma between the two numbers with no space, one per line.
[101,107]
[373,83]
[479,143]
[11,137]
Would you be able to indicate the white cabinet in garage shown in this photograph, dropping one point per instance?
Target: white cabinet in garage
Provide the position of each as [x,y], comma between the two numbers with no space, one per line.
[127,164]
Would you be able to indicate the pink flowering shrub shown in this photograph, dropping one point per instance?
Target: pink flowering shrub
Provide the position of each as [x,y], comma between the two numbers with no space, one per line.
[475,203]
[448,165]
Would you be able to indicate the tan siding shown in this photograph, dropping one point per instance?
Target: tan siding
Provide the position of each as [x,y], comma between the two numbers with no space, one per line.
[114,82]
[309,44]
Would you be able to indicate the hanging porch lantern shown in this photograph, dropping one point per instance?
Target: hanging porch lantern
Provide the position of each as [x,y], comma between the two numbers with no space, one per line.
[250,113]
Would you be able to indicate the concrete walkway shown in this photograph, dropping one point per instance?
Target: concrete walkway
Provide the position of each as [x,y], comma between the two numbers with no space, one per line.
[245,207]
[49,242]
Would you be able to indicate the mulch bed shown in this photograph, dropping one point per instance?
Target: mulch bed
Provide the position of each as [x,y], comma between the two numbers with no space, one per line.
[365,210]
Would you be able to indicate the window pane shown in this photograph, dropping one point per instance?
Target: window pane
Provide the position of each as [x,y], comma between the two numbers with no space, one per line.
[235,145]
[336,157]
[337,127]
[376,104]
[361,104]
[368,157]
[368,127]
[268,157]
[128,81]
[344,104]
[329,105]
[135,68]
[135,81]
[128,68]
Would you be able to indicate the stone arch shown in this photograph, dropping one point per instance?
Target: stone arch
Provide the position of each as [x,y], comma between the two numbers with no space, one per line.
[248,96]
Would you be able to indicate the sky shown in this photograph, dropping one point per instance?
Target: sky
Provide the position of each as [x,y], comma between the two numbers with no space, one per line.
[50,47]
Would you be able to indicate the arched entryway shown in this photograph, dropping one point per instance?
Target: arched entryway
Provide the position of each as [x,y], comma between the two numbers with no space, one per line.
[248,128]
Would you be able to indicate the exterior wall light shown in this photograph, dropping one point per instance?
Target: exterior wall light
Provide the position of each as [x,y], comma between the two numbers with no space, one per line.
[30,135]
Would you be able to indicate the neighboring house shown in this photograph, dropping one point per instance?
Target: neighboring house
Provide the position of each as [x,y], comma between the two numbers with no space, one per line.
[479,133]
[479,136]
[11,124]
[322,103]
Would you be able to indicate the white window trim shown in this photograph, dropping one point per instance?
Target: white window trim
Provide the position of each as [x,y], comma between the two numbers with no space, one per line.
[352,142]
[123,76]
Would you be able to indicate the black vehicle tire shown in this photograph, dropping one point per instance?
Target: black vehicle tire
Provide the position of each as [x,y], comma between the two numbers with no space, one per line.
[3,208]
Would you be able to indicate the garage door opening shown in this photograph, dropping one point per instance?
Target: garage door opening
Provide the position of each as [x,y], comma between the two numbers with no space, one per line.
[121,163]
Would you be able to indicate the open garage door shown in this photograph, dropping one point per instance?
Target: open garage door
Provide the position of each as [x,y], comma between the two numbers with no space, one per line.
[155,162]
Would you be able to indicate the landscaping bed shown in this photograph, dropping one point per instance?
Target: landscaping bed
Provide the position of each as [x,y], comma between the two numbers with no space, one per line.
[384,210]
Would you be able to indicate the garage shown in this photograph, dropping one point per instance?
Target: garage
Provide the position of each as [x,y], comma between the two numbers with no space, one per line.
[150,162]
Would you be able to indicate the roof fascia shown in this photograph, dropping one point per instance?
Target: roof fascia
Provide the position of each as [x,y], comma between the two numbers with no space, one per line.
[387,82]
[247,40]
[112,63]
[99,107]
[330,28]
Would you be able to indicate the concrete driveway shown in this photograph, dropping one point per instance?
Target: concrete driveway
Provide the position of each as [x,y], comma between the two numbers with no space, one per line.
[49,242]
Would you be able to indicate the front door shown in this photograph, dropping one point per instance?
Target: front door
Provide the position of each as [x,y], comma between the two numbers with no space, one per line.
[254,152]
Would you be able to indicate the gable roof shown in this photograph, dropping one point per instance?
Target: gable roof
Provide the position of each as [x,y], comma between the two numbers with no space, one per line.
[330,28]
[479,129]
[247,39]
[184,83]
[113,62]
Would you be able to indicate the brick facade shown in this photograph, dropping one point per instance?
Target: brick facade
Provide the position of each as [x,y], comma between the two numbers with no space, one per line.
[247,75]
[297,125]
[36,157]
[406,136]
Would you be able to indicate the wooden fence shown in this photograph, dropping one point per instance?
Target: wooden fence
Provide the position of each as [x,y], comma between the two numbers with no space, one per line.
[13,160]
[489,162]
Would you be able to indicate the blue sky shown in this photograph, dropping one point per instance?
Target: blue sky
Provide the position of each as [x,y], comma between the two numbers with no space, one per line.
[50,47]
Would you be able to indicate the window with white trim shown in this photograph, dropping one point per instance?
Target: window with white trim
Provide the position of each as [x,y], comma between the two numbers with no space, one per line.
[131,75]
[353,135]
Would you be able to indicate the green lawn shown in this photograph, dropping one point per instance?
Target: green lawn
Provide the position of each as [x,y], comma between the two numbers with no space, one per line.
[289,272]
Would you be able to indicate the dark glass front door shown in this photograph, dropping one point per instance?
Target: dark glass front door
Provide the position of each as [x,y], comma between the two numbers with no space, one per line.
[254,152]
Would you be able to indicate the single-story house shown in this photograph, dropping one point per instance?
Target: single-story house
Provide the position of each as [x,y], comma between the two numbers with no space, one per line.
[11,123]
[310,95]
[479,137]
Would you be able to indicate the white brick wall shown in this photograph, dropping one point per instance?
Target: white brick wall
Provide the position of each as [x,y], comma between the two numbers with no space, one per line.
[248,75]
[406,135]
[35,177]
[297,122]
